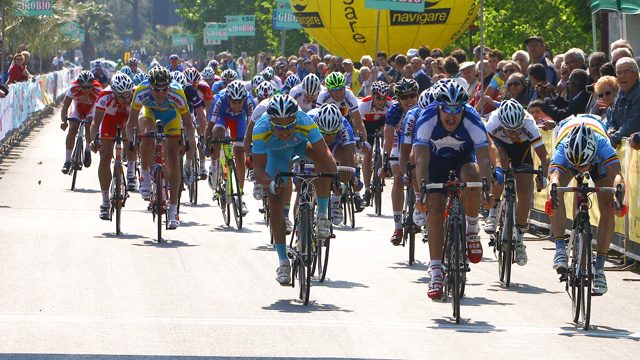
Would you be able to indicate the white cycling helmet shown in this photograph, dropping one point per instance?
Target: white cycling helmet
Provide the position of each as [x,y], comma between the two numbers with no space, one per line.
[178,77]
[121,83]
[511,114]
[329,119]
[236,90]
[311,85]
[282,106]
[265,90]
[257,80]
[427,97]
[581,148]
[229,75]
[208,73]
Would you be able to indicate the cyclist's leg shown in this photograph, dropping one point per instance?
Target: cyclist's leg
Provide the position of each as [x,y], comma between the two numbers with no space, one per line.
[437,203]
[239,155]
[470,171]
[146,123]
[323,162]
[172,160]
[558,220]
[71,138]
[397,197]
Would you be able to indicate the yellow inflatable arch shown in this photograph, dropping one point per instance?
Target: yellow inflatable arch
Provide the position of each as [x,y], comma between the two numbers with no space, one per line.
[346,28]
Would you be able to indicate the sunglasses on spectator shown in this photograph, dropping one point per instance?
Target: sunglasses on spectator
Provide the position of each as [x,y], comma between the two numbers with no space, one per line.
[603,94]
[452,109]
[408,96]
[513,84]
[288,126]
[160,89]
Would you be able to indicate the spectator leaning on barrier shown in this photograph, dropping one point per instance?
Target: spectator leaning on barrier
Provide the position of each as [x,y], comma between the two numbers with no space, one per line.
[18,72]
[559,108]
[624,119]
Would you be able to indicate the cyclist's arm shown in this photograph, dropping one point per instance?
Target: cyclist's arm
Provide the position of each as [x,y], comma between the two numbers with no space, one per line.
[95,124]
[200,115]
[484,161]
[494,153]
[188,123]
[616,169]
[133,120]
[65,108]
[554,178]
[248,135]
[541,152]
[358,124]
[259,166]
[422,154]
[389,132]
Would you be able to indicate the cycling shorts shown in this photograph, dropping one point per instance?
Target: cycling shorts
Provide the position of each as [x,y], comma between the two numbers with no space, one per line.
[110,123]
[81,111]
[371,127]
[237,127]
[520,154]
[439,167]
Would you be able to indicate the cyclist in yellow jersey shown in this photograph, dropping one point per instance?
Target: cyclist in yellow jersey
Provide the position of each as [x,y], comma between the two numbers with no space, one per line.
[158,99]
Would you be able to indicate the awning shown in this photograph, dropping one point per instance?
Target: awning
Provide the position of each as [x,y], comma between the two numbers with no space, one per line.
[625,6]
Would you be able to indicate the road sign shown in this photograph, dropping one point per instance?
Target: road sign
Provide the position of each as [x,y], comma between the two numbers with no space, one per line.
[35,8]
[241,25]
[398,5]
[215,33]
[182,40]
[285,20]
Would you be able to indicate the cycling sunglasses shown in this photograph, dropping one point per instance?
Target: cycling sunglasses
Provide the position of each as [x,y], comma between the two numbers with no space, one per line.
[160,89]
[337,89]
[332,133]
[123,95]
[288,126]
[452,109]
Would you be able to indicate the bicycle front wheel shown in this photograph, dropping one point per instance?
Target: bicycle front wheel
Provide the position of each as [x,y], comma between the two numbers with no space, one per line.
[159,201]
[235,192]
[193,187]
[76,162]
[506,241]
[582,278]
[305,260]
[455,267]
[410,200]
[118,195]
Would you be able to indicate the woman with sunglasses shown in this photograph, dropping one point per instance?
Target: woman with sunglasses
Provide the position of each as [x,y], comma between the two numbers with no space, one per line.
[80,98]
[158,98]
[111,113]
[605,90]
[282,133]
[373,110]
[339,136]
[232,110]
[406,91]
[451,136]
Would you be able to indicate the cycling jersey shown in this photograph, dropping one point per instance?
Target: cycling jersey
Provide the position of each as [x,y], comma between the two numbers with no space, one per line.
[348,105]
[168,112]
[394,117]
[409,125]
[83,101]
[605,153]
[204,90]
[114,114]
[297,92]
[193,99]
[529,132]
[218,86]
[235,122]
[345,135]
[279,152]
[369,113]
[449,150]
[260,109]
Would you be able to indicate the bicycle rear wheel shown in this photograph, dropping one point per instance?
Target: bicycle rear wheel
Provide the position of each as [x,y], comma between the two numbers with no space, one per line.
[454,267]
[118,178]
[506,241]
[193,187]
[411,227]
[305,260]
[76,162]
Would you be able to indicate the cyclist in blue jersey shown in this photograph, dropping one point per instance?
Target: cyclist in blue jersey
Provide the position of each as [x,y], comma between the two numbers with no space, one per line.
[231,110]
[159,99]
[338,135]
[283,132]
[406,90]
[448,136]
[583,146]
[227,77]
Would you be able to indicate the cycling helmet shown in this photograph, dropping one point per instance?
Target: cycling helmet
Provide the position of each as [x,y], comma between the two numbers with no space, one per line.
[257,80]
[208,73]
[405,86]
[380,88]
[192,74]
[174,57]
[178,76]
[229,75]
[311,85]
[265,90]
[159,76]
[213,64]
[427,97]
[268,73]
[291,81]
[452,94]
[511,114]
[132,61]
[236,90]
[97,64]
[282,106]
[329,119]
[127,71]
[154,63]
[85,78]
[580,150]
[121,83]
[335,80]
[139,77]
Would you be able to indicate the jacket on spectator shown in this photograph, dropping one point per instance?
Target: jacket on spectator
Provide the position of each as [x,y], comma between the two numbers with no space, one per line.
[624,115]
[559,108]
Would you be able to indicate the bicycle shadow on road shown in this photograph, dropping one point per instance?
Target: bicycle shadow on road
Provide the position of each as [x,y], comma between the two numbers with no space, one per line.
[380,216]
[111,235]
[599,331]
[295,306]
[521,289]
[233,229]
[480,301]
[417,265]
[264,247]
[83,191]
[465,326]
[339,284]
[165,244]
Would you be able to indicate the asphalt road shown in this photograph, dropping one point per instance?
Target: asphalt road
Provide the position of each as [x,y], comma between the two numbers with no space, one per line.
[70,288]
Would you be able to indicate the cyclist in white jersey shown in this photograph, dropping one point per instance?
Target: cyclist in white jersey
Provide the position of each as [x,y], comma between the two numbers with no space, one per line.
[306,93]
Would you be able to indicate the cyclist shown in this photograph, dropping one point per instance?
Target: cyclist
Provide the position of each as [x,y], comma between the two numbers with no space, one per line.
[290,82]
[306,93]
[204,92]
[583,146]
[81,98]
[159,99]
[373,110]
[197,114]
[232,109]
[281,133]
[226,78]
[174,63]
[255,81]
[209,76]
[337,93]
[111,112]
[269,74]
[448,136]
[513,133]
[132,63]
[338,135]
[406,90]
[101,73]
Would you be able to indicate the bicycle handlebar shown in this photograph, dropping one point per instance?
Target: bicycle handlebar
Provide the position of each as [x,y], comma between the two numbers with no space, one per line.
[81,121]
[226,140]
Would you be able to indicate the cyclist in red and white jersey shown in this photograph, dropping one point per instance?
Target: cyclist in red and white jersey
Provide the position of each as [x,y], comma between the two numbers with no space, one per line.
[111,112]
[204,92]
[81,98]
[373,110]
